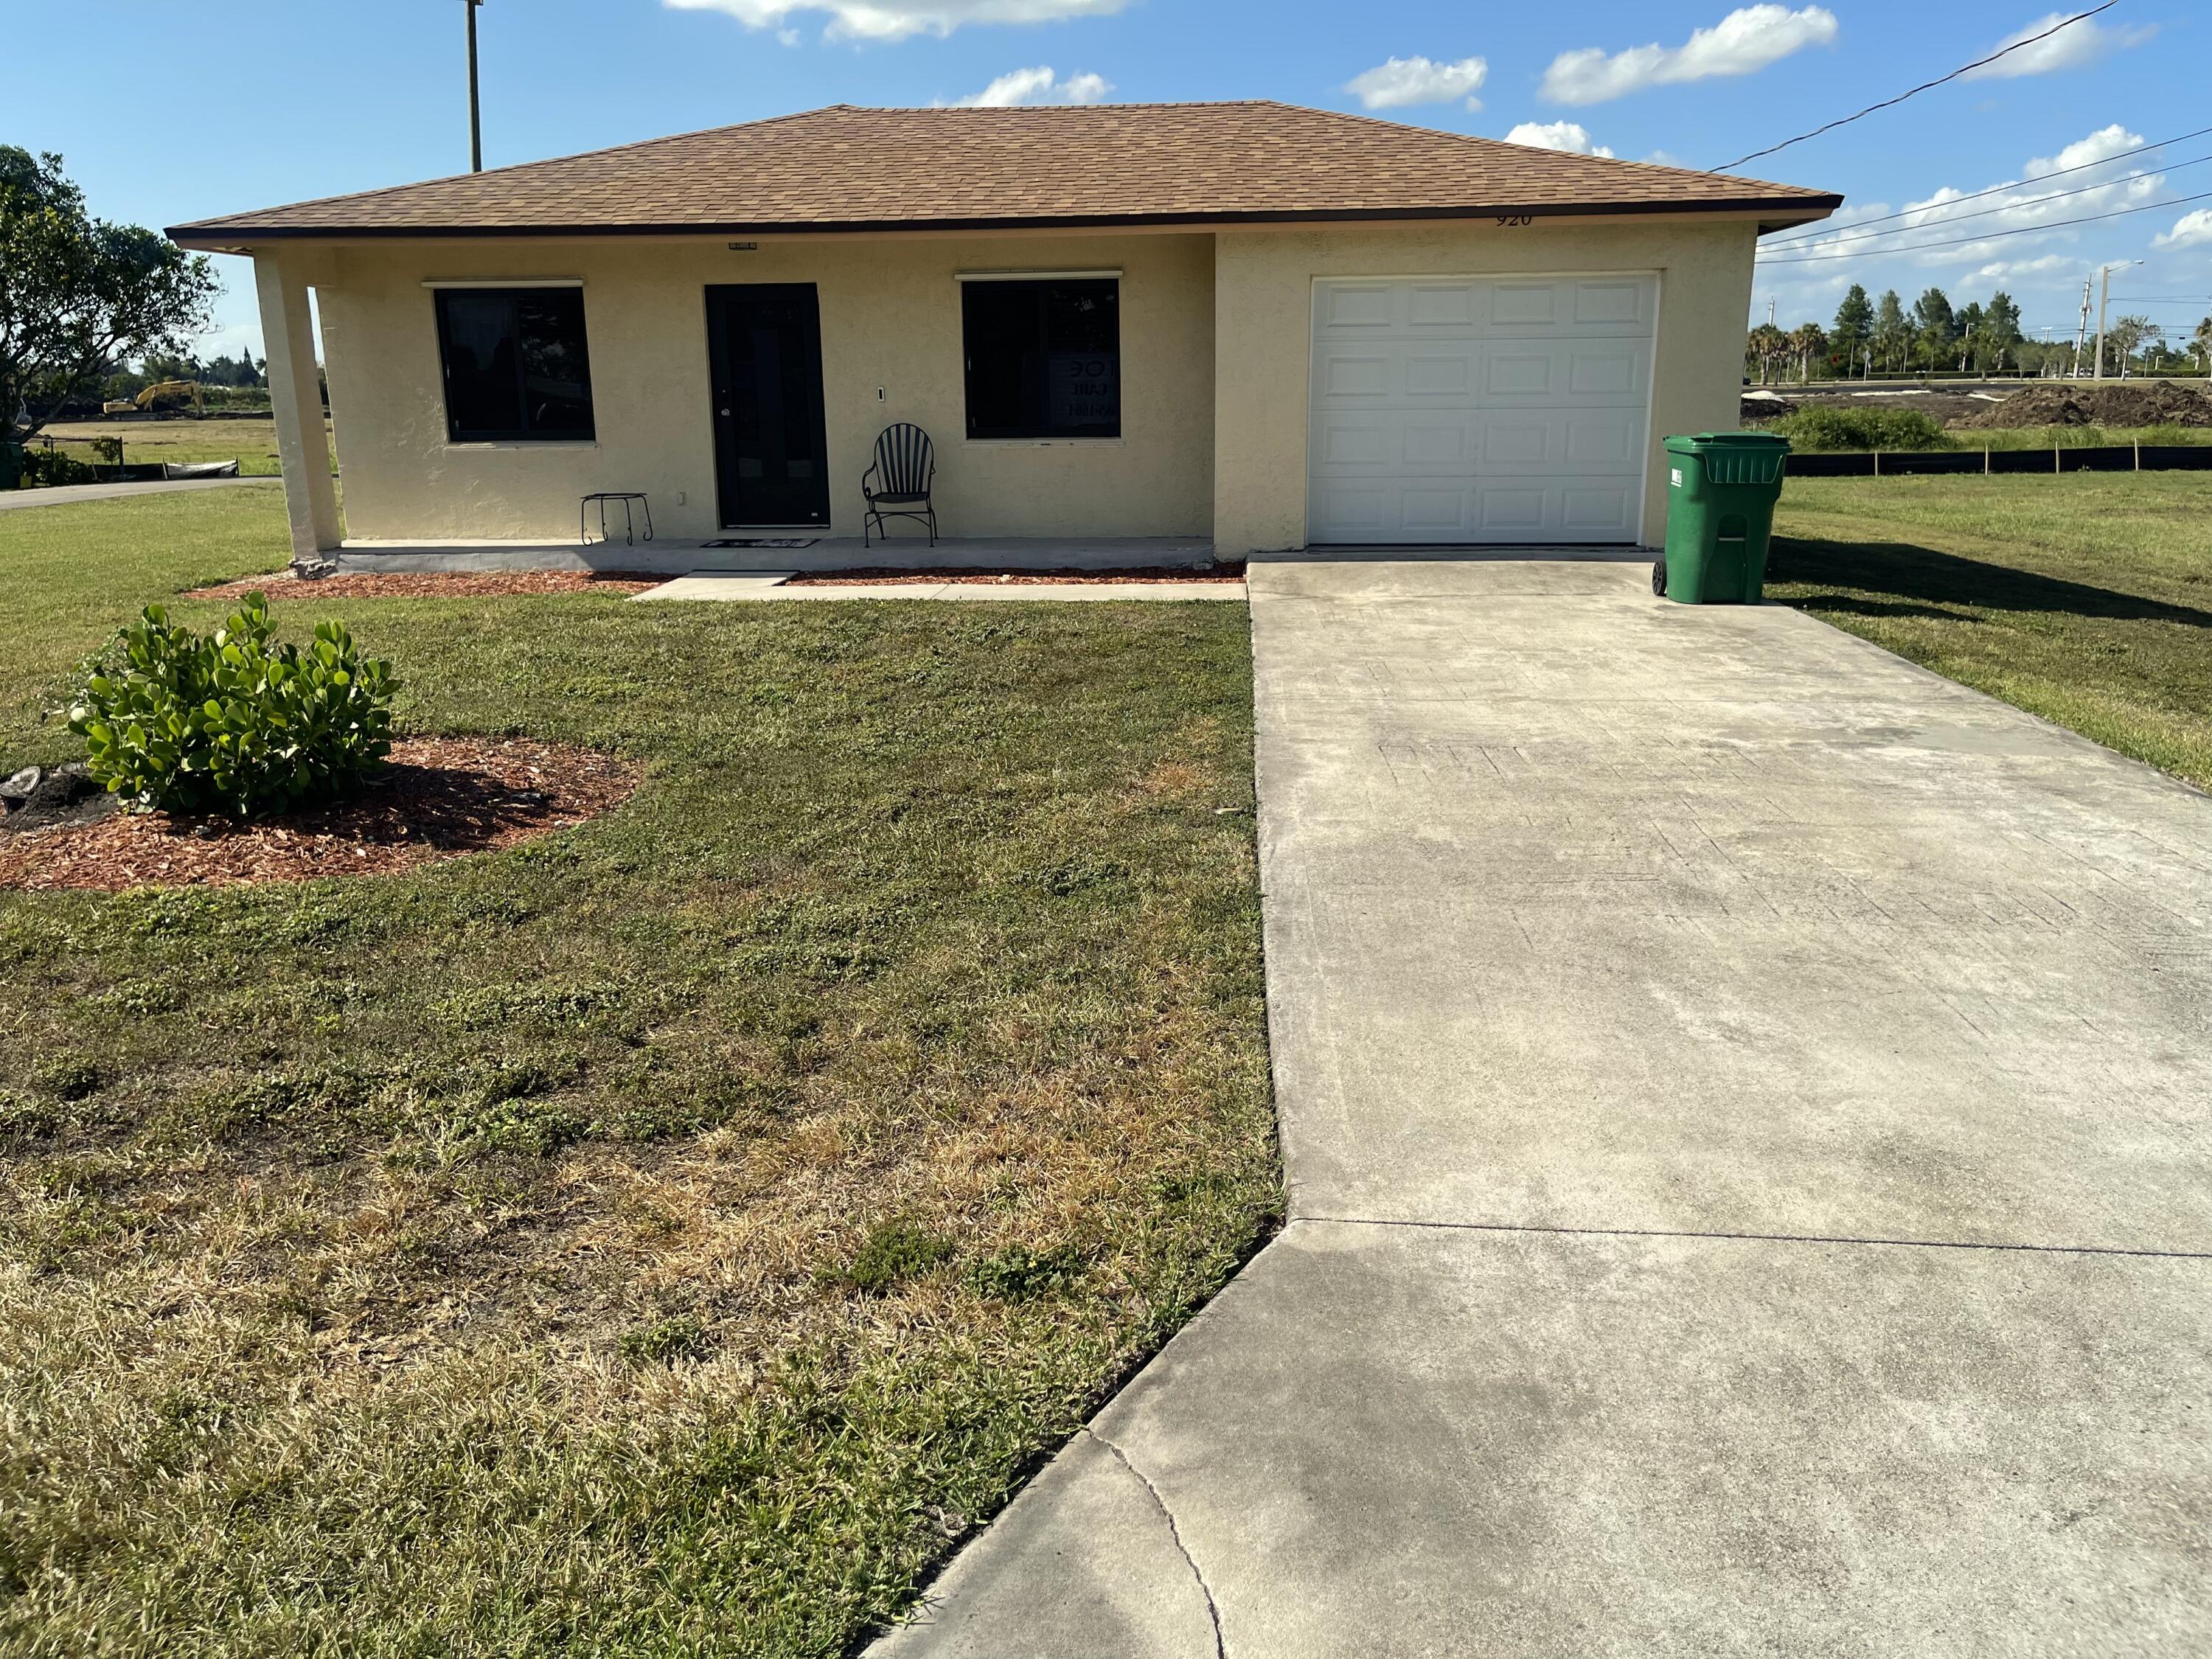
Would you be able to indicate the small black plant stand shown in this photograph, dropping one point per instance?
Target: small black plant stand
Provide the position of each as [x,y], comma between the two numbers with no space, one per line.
[630,525]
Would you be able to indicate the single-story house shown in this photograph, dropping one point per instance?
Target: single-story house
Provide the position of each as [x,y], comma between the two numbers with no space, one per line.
[1268,326]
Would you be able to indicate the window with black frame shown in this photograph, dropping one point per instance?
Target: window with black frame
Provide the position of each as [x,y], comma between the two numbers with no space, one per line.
[515,363]
[1044,357]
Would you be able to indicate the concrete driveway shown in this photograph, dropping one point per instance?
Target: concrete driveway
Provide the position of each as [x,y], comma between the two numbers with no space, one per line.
[1745,1107]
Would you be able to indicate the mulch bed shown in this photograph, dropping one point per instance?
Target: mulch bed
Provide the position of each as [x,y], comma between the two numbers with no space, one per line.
[896,576]
[436,797]
[431,585]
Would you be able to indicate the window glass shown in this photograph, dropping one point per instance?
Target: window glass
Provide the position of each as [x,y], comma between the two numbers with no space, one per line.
[1044,359]
[515,363]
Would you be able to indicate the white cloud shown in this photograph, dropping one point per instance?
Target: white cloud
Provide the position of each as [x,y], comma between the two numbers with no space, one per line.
[894,20]
[1998,270]
[2191,230]
[2072,47]
[1556,134]
[1037,86]
[1746,40]
[1405,80]
[2019,209]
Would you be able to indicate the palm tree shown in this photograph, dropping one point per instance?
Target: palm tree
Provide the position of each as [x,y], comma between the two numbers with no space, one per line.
[1807,341]
[2201,343]
[1767,345]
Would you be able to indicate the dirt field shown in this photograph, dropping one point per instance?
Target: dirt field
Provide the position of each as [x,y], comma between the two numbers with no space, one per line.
[251,443]
[2002,404]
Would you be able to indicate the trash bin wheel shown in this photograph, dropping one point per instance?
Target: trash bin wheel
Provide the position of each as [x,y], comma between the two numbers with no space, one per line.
[1659,577]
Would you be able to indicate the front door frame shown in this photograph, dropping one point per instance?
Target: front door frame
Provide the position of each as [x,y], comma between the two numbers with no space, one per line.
[728,488]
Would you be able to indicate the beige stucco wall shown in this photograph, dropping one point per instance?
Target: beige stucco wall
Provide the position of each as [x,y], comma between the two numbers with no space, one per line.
[1263,305]
[890,318]
[1216,349]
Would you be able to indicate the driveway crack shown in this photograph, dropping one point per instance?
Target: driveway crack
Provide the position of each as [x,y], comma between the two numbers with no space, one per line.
[1212,1611]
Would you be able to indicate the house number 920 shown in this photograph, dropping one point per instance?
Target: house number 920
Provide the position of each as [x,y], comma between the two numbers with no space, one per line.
[1517,218]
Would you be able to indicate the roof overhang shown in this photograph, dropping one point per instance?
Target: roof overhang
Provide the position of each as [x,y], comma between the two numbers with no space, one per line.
[217,236]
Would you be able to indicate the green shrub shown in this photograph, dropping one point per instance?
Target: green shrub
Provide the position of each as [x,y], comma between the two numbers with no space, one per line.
[232,722]
[1854,428]
[56,467]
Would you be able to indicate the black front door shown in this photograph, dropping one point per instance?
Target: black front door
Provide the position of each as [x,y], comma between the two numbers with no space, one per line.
[771,453]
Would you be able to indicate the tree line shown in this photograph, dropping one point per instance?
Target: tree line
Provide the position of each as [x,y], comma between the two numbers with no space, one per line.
[1870,336]
[81,297]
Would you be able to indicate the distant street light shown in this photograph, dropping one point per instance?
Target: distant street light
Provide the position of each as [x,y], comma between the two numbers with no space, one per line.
[476,118]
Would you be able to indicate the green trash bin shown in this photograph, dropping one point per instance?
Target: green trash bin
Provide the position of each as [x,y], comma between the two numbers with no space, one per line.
[1720,491]
[11,465]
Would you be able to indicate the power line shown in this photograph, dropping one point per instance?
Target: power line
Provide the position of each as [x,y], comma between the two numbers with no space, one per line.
[1989,235]
[1924,86]
[2135,154]
[2010,207]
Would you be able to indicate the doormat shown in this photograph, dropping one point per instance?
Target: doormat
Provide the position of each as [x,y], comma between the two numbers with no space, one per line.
[763,541]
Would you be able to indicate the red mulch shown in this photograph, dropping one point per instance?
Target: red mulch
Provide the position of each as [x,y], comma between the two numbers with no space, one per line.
[437,798]
[431,585]
[895,576]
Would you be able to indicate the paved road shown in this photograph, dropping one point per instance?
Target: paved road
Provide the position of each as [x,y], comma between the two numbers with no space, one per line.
[63,495]
[1745,1104]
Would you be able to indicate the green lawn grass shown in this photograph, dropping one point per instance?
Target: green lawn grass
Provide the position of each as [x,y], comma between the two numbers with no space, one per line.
[672,1237]
[2086,599]
[2073,437]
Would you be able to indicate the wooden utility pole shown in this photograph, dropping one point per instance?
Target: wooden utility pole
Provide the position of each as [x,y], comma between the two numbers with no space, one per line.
[476,117]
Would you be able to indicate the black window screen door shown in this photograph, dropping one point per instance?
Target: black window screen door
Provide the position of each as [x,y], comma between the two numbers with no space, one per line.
[771,452]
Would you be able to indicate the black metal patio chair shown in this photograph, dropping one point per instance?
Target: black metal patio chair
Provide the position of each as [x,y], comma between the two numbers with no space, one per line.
[897,485]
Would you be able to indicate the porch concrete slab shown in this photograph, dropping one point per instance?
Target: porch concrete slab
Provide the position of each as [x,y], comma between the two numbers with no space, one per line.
[755,586]
[1391,1441]
[1585,909]
[792,550]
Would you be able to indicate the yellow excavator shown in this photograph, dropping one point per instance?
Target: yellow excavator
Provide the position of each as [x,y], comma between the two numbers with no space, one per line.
[172,389]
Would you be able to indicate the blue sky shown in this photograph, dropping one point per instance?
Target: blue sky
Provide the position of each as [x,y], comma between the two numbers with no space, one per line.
[169,110]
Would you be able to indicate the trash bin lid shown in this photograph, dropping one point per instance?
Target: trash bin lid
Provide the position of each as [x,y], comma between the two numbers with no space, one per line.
[1703,440]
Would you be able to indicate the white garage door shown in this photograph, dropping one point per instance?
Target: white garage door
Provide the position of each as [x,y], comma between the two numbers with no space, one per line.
[1481,409]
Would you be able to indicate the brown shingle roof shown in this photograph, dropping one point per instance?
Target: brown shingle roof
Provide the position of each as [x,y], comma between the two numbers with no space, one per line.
[848,168]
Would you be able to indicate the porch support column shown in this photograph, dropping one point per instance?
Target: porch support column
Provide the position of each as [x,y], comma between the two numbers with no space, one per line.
[288,338]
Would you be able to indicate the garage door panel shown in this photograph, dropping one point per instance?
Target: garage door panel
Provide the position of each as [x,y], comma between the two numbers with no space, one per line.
[1608,304]
[1476,410]
[1439,373]
[1595,440]
[1435,445]
[1364,305]
[1442,305]
[1597,511]
[1524,305]
[1521,374]
[1344,375]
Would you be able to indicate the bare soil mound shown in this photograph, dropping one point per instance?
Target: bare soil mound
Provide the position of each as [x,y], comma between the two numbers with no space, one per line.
[437,799]
[2146,403]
